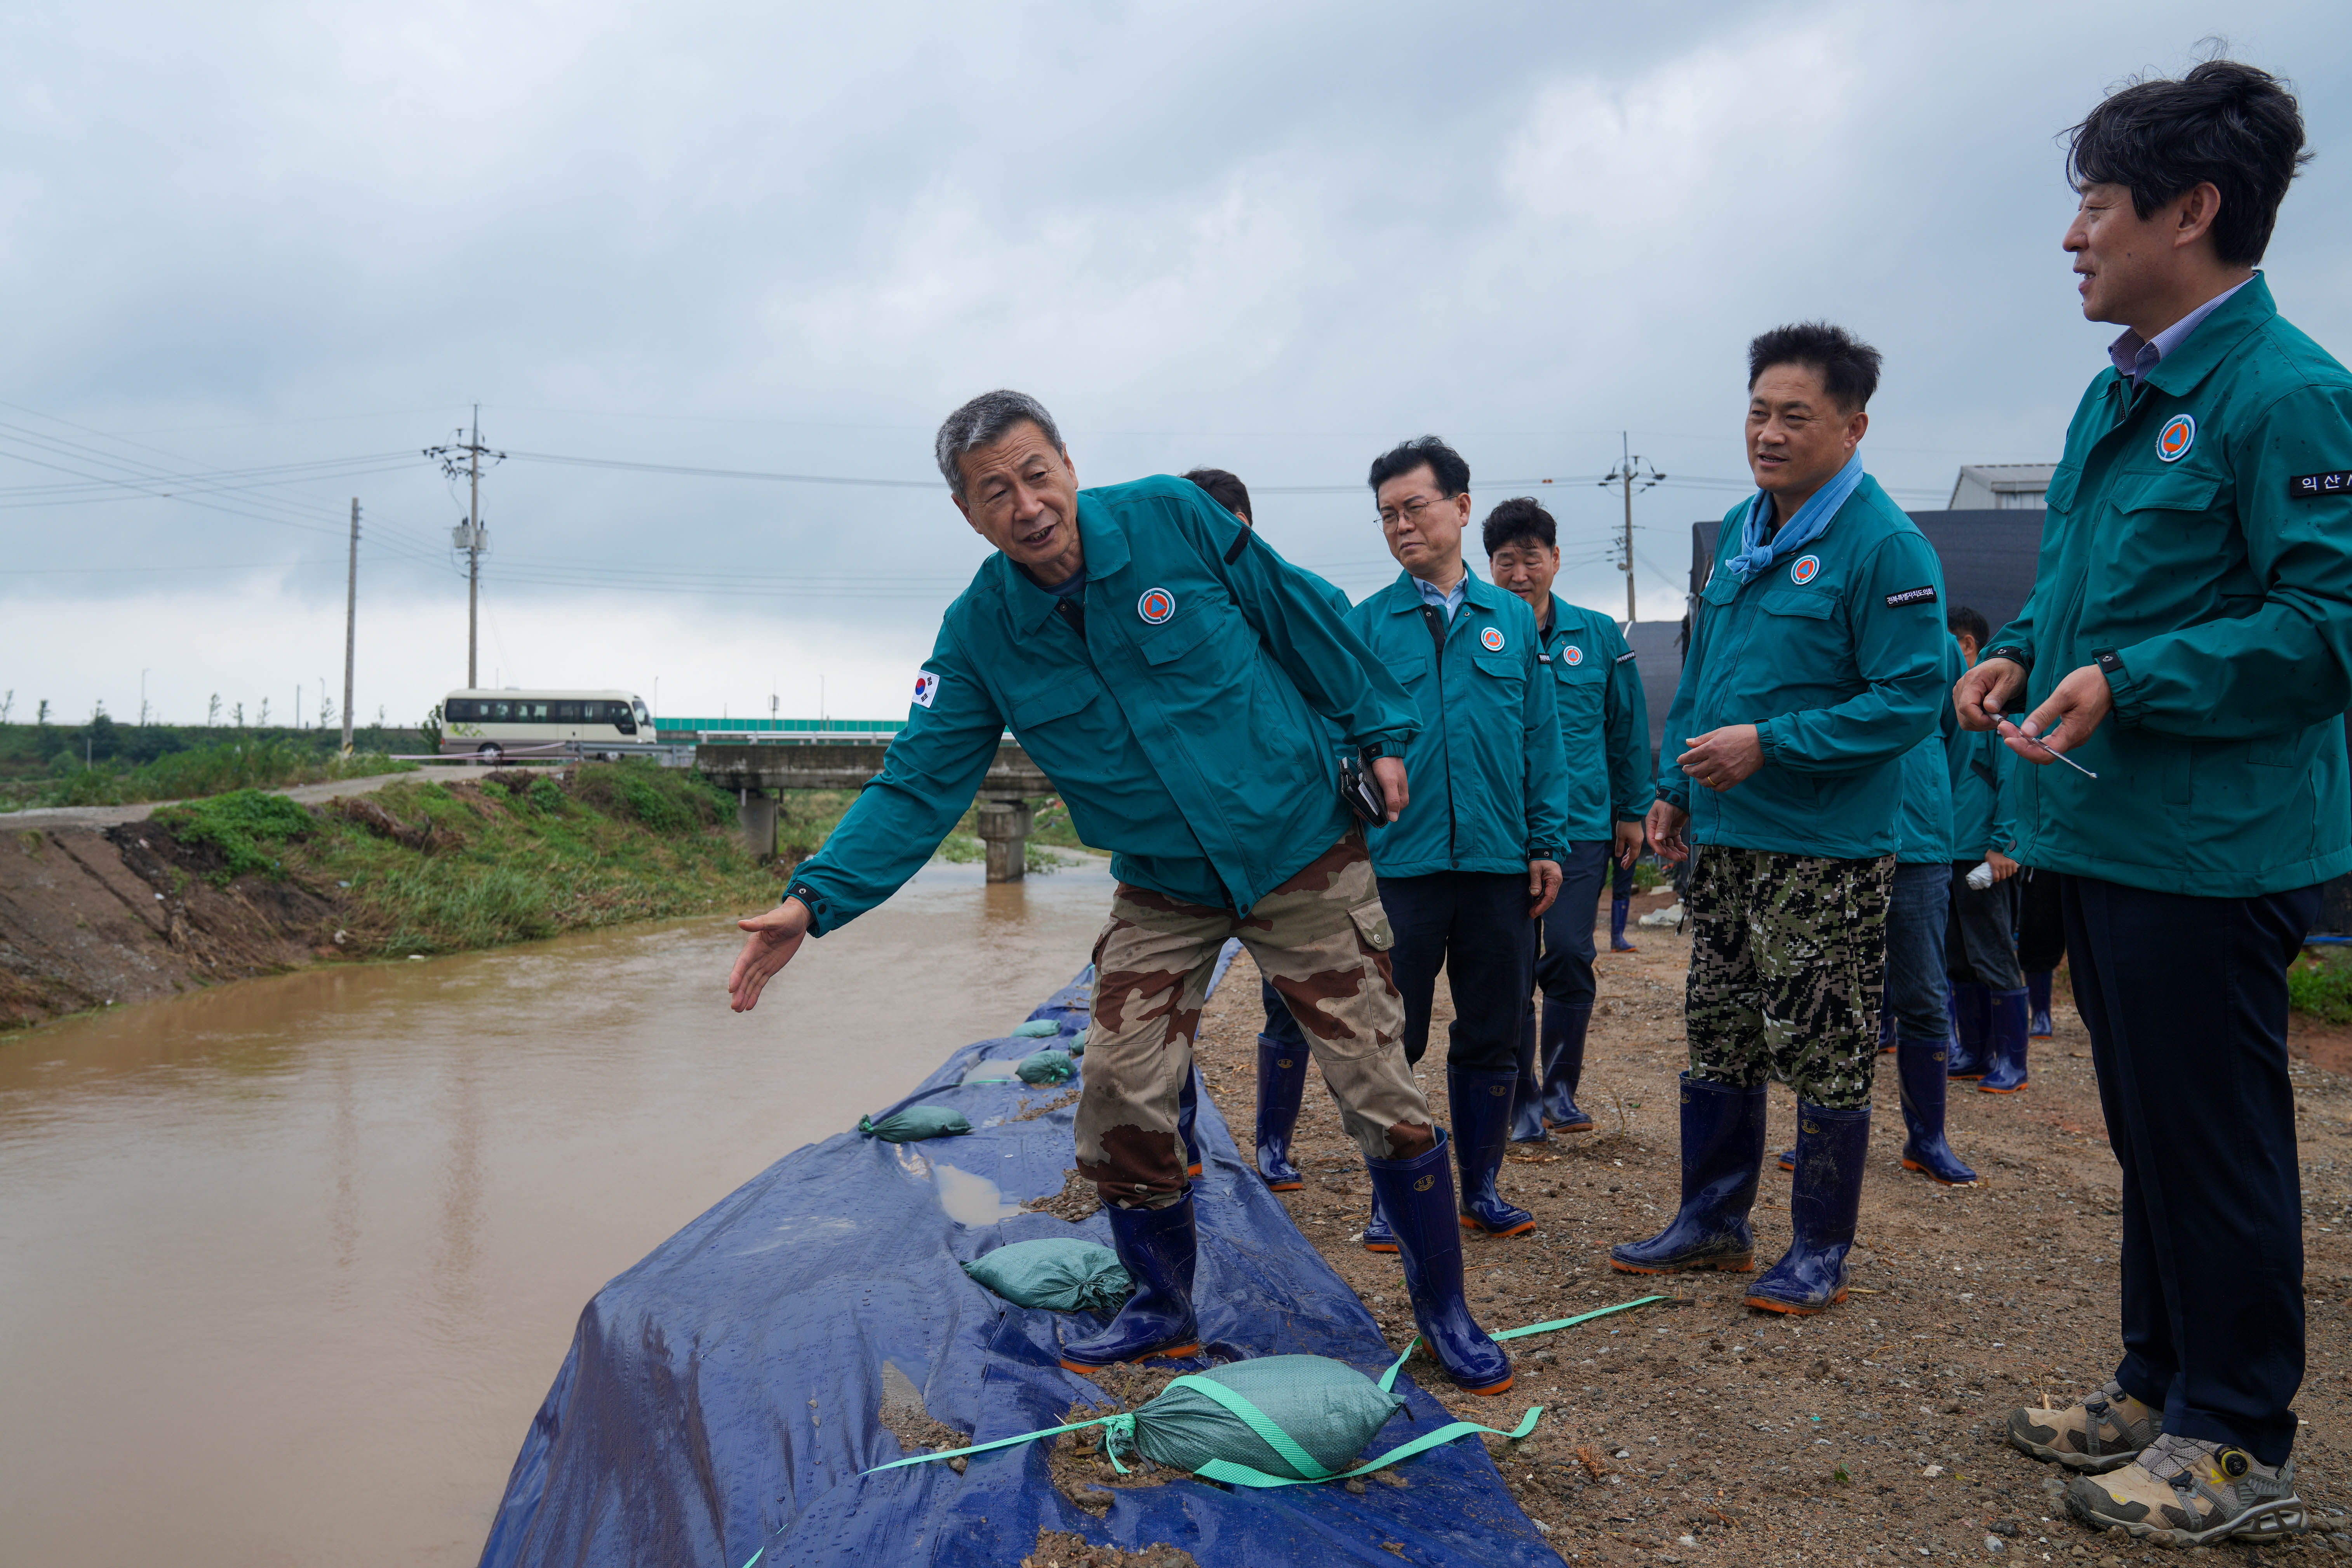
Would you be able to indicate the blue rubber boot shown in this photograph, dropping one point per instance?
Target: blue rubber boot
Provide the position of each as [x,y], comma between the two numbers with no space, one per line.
[1419,1196]
[2005,1052]
[2037,987]
[1157,1248]
[1618,910]
[1886,1031]
[1526,1090]
[1482,1114]
[1723,1155]
[1377,1237]
[1562,1049]
[1968,1007]
[1919,1069]
[1832,1147]
[1281,1080]
[1188,1109]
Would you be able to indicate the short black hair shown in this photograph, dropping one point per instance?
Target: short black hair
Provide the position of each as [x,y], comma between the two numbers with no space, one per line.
[1521,517]
[2224,122]
[1848,366]
[1224,489]
[1452,475]
[1964,621]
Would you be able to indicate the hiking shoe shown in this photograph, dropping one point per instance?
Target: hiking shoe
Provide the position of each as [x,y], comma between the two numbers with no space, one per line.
[2189,1492]
[2104,1428]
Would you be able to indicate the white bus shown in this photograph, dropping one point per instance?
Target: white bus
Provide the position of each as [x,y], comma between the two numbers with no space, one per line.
[496,725]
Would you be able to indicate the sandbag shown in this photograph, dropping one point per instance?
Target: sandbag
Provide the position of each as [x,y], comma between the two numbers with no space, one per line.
[916,1122]
[1059,1273]
[1326,1407]
[1036,1029]
[1047,1066]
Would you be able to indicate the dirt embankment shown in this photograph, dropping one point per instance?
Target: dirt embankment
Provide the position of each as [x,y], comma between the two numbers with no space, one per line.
[1705,1433]
[96,918]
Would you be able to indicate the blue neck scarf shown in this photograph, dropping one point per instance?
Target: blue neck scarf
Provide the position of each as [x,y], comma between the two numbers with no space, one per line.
[1755,555]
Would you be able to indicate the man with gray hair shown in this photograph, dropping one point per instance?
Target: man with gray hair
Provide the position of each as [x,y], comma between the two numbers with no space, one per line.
[1174,678]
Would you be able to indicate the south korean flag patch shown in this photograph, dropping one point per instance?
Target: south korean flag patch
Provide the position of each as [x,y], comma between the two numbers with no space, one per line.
[927,686]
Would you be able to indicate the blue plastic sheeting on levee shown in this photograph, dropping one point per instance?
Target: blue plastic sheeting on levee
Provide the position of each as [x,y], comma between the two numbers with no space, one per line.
[722,1397]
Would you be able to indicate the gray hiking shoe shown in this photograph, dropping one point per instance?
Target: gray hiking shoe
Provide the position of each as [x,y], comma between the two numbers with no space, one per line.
[2104,1428]
[2189,1492]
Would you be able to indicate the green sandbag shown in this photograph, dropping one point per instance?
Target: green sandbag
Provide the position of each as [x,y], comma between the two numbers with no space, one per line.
[1060,1273]
[1036,1029]
[1327,1407]
[915,1123]
[1047,1066]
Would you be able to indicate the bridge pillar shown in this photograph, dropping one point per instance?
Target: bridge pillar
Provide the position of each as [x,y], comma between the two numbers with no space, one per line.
[755,816]
[1005,828]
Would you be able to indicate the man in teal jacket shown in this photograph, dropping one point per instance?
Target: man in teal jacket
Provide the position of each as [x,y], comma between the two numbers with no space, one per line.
[1176,680]
[2189,642]
[1604,738]
[1465,872]
[1816,660]
[1989,998]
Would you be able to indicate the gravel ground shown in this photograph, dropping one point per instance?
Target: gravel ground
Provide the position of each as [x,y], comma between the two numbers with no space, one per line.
[1703,1431]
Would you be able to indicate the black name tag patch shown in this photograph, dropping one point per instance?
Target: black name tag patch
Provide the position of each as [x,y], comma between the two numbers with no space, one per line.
[2311,487]
[1911,596]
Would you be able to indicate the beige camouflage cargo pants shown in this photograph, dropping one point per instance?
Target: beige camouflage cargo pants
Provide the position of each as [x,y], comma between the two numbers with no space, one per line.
[1322,939]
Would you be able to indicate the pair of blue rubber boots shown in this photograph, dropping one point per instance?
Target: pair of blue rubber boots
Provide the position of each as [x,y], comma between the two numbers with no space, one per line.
[1546,1094]
[1722,1159]
[1159,1248]
[1989,1029]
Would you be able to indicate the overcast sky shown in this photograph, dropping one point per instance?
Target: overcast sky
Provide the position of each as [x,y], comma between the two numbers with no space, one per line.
[1273,237]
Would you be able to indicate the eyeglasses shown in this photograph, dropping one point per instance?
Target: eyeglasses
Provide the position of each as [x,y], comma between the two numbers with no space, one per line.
[1412,512]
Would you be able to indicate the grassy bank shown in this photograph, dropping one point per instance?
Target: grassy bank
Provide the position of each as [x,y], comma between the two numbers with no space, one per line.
[274,763]
[439,868]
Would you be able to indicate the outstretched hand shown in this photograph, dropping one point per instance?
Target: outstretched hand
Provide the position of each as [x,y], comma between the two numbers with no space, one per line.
[1544,877]
[774,937]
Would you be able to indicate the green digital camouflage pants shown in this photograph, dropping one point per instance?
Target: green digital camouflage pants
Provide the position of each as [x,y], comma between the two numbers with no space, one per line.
[1788,957]
[1321,937]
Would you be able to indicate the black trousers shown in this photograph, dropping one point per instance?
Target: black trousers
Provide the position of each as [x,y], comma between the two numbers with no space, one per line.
[2184,999]
[2041,922]
[1474,925]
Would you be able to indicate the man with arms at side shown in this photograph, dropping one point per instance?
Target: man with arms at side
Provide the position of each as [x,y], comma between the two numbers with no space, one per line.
[1988,994]
[1605,737]
[1464,874]
[2189,641]
[1172,676]
[1816,660]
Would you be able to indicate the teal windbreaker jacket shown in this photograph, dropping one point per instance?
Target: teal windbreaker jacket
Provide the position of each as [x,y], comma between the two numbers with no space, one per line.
[2198,548]
[1186,731]
[1604,721]
[1924,830]
[1488,784]
[1981,766]
[1836,656]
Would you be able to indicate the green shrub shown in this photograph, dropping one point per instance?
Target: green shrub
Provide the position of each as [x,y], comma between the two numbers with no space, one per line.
[239,824]
[546,794]
[186,775]
[666,800]
[2319,986]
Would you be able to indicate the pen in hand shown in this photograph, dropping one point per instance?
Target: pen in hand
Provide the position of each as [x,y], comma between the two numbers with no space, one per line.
[2037,741]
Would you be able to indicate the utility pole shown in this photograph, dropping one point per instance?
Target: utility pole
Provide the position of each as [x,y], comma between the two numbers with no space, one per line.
[470,535]
[1631,473]
[350,623]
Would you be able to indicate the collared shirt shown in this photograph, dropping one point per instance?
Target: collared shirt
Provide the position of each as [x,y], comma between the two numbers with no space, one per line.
[1431,594]
[2134,356]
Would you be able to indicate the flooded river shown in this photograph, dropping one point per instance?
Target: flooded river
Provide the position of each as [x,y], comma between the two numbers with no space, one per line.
[285,1267]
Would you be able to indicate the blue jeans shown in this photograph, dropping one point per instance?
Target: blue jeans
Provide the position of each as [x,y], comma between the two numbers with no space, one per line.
[1915,951]
[1474,925]
[1564,967]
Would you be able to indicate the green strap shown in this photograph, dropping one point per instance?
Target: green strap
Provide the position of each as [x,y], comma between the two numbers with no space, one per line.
[1259,1422]
[1387,1378]
[1243,1476]
[1121,1426]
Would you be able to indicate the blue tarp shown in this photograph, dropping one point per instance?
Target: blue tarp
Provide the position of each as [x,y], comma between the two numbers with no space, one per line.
[722,1398]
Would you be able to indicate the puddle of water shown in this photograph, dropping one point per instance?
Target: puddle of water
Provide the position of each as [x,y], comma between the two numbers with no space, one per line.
[970,1199]
[285,1267]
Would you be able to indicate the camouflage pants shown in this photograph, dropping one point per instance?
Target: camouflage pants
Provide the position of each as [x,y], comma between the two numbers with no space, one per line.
[1787,956]
[1321,937]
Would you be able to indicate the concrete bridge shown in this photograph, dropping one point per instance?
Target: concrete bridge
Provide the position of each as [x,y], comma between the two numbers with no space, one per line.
[755,772]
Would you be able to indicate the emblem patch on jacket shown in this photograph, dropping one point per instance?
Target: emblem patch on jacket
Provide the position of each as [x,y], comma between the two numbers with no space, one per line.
[926,685]
[1156,605]
[2311,487]
[1807,568]
[2179,434]
[1911,596]
[1571,654]
[1493,639]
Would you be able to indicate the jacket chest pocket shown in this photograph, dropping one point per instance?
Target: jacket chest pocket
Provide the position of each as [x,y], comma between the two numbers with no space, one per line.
[2166,553]
[1501,678]
[1056,706]
[1165,645]
[1577,688]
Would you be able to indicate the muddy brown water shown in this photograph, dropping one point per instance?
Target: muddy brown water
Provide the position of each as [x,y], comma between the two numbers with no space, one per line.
[285,1267]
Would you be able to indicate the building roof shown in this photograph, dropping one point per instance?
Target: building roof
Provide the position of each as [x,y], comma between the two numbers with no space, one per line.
[2002,478]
